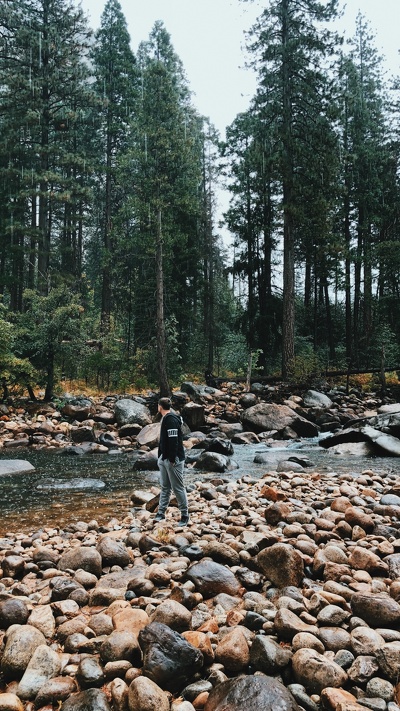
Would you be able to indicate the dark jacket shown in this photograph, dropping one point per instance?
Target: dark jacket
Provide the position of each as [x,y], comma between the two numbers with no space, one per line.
[171,445]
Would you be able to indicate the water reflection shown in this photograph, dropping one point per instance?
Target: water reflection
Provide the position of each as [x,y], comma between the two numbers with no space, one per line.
[68,488]
[60,489]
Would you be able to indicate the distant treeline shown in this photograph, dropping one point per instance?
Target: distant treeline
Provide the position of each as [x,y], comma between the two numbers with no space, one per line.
[112,269]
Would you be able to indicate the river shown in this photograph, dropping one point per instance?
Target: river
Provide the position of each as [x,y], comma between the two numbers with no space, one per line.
[65,488]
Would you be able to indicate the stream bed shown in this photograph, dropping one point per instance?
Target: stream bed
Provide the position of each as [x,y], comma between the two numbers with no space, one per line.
[67,488]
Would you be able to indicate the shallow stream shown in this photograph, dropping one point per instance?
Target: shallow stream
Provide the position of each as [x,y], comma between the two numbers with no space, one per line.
[67,488]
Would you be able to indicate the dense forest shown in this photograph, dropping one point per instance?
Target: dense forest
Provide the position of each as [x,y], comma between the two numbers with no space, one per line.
[112,267]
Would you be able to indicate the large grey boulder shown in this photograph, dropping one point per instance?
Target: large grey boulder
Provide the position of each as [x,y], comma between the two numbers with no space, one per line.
[201,393]
[149,436]
[22,640]
[146,694]
[44,664]
[316,672]
[313,398]
[145,461]
[113,552]
[15,466]
[266,416]
[79,408]
[389,409]
[386,442]
[212,462]
[382,441]
[81,558]
[132,412]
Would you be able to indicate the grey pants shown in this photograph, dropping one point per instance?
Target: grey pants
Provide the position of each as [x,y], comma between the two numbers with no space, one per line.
[171,477]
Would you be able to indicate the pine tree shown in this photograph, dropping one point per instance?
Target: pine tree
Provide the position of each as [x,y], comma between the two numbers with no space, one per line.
[44,98]
[290,44]
[251,218]
[365,153]
[165,172]
[116,85]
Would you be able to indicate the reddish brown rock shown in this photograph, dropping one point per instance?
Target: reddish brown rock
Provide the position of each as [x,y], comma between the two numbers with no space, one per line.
[282,564]
[233,651]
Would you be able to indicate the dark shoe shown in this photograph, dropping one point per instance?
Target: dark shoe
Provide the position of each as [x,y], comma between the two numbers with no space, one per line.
[184,521]
[159,517]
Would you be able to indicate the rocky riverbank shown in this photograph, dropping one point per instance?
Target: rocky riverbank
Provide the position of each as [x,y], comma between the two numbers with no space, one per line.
[79,425]
[283,592]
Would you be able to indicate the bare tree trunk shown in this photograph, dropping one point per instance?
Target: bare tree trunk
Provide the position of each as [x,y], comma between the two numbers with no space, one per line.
[347,237]
[288,316]
[44,202]
[249,368]
[106,275]
[160,321]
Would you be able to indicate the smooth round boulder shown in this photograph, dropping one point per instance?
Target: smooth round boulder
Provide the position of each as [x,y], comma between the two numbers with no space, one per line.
[13,612]
[173,614]
[145,695]
[88,700]
[252,693]
[377,610]
[81,558]
[10,702]
[221,553]
[313,398]
[21,643]
[212,578]
[334,638]
[113,552]
[212,462]
[90,673]
[305,640]
[54,690]
[149,436]
[121,645]
[316,671]
[130,619]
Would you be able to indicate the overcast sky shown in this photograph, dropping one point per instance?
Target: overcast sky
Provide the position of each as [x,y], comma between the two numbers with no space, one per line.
[208,36]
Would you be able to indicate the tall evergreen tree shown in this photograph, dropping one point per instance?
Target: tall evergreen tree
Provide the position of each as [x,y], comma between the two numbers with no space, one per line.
[117,86]
[44,98]
[165,170]
[251,218]
[290,44]
[364,136]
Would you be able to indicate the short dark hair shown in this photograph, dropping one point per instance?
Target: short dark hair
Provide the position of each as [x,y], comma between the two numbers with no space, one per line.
[165,403]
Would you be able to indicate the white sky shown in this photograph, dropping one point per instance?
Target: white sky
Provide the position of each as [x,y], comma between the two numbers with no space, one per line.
[208,36]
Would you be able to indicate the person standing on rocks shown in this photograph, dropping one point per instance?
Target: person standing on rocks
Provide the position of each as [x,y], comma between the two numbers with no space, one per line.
[171,462]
